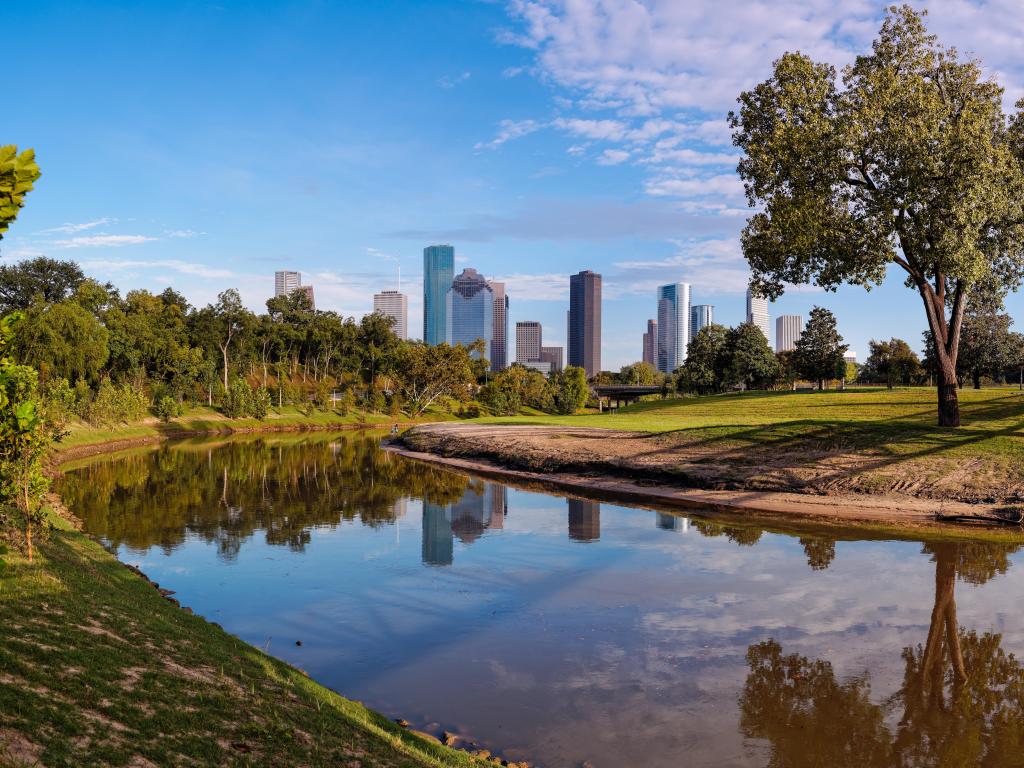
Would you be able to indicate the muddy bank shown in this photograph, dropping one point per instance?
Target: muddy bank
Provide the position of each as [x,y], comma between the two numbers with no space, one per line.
[665,469]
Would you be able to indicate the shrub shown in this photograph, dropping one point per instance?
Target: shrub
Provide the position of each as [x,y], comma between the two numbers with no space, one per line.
[168,408]
[115,404]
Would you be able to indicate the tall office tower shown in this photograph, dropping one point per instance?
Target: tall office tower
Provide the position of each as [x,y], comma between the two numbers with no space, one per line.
[499,505]
[499,344]
[584,520]
[394,305]
[438,272]
[285,282]
[470,311]
[701,316]
[585,322]
[787,330]
[673,325]
[757,313]
[651,343]
[528,341]
[308,291]
[553,356]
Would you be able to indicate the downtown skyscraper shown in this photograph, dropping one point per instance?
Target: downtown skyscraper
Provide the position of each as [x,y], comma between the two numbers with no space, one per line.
[788,329]
[470,311]
[438,273]
[701,316]
[585,322]
[673,325]
[650,355]
[394,305]
[757,313]
[499,342]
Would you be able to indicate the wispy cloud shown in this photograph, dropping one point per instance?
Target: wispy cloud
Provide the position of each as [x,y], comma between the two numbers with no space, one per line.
[450,81]
[101,241]
[509,130]
[70,229]
[182,267]
[613,157]
[545,287]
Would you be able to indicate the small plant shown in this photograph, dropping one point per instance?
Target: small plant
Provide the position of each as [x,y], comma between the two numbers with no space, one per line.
[167,408]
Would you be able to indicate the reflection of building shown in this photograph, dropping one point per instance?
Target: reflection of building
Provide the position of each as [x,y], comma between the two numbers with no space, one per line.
[672,523]
[584,520]
[479,509]
[437,535]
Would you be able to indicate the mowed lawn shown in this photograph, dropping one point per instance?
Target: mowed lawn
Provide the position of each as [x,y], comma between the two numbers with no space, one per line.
[898,422]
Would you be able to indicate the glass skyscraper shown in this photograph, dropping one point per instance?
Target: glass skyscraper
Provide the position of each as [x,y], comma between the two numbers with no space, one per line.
[673,325]
[584,321]
[701,316]
[438,271]
[470,311]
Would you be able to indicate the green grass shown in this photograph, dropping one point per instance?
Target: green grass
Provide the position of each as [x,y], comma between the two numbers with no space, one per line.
[96,668]
[200,420]
[900,422]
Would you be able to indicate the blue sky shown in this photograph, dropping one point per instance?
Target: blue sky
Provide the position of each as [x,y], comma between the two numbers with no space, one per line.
[205,145]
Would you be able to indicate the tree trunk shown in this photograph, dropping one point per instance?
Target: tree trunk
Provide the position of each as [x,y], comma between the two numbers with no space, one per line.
[224,352]
[976,378]
[949,405]
[821,385]
[28,538]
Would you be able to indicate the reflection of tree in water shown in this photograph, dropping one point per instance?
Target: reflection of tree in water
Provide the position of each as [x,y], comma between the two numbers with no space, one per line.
[961,702]
[820,552]
[742,535]
[227,492]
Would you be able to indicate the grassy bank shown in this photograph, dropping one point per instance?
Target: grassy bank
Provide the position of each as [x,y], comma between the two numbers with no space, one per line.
[97,668]
[209,420]
[899,422]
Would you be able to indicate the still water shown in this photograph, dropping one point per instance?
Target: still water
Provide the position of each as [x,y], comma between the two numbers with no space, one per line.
[561,630]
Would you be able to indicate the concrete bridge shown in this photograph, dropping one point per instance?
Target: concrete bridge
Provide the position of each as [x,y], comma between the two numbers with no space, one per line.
[623,395]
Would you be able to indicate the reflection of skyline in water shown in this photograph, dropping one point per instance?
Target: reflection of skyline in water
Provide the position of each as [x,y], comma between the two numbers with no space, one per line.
[731,645]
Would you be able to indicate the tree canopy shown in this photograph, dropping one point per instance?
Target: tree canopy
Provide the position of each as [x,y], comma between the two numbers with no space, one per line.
[819,351]
[910,162]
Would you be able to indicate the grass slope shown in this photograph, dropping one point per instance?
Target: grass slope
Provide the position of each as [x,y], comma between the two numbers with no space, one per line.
[900,422]
[96,668]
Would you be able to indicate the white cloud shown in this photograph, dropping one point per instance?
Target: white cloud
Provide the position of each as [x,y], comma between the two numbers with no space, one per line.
[508,130]
[450,81]
[721,185]
[182,267]
[70,229]
[547,287]
[613,157]
[183,233]
[101,241]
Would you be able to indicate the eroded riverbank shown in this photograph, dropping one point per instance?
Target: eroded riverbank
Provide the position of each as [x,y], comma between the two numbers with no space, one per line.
[668,469]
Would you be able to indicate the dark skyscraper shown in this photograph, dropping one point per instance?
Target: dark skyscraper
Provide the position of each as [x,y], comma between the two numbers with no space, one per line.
[438,548]
[585,322]
[584,520]
[438,273]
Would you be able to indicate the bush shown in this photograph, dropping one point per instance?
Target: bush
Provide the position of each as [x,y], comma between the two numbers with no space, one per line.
[115,404]
[168,408]
[243,401]
[59,402]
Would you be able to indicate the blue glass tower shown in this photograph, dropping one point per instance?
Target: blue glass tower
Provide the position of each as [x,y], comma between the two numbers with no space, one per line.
[673,325]
[470,311]
[438,271]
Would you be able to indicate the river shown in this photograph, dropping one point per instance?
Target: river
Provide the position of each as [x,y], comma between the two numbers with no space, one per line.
[562,631]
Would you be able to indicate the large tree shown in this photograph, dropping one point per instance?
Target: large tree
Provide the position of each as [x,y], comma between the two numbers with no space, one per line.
[706,361]
[911,161]
[39,279]
[751,362]
[819,351]
[890,362]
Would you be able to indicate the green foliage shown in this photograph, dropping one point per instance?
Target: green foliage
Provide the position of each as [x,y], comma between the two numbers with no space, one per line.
[59,402]
[18,173]
[433,373]
[168,408]
[890,362]
[571,390]
[751,362]
[38,280]
[116,404]
[819,350]
[706,361]
[243,401]
[638,374]
[515,387]
[62,340]
[911,162]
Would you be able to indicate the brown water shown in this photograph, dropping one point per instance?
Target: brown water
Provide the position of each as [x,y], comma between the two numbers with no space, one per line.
[561,631]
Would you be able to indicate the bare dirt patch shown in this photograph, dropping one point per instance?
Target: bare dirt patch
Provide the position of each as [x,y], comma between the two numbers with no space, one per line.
[18,750]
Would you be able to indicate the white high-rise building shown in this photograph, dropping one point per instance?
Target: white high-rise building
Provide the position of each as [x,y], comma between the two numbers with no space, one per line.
[701,316]
[286,282]
[396,306]
[673,325]
[787,330]
[757,313]
[528,341]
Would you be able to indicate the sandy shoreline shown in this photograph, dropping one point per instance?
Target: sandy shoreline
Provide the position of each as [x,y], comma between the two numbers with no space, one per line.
[474,449]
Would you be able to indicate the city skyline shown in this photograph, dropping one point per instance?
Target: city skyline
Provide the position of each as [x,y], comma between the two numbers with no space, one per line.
[545,168]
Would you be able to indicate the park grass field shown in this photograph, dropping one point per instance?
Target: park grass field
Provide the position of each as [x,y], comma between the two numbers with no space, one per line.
[97,668]
[900,422]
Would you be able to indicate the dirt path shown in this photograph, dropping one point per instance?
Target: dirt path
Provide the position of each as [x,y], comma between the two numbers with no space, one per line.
[666,469]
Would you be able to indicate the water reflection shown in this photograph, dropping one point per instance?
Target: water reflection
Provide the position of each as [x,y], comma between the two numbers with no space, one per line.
[564,630]
[961,702]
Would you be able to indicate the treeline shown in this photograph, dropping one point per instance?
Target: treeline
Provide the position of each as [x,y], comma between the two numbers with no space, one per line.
[105,357]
